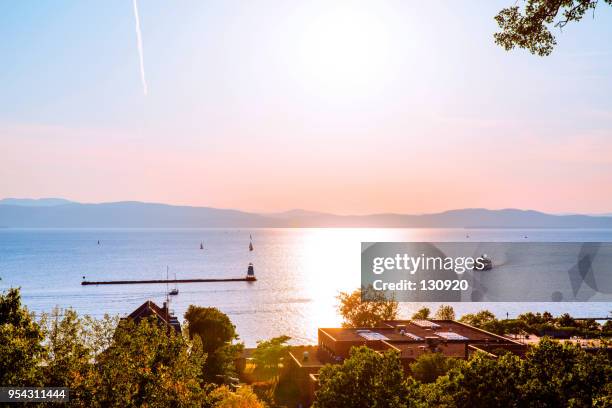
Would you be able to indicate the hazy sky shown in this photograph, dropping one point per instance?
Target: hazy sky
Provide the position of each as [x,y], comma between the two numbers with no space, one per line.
[349,107]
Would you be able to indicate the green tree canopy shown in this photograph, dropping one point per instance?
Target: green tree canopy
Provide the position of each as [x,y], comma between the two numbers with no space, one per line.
[216,332]
[104,365]
[358,313]
[268,354]
[213,327]
[445,312]
[421,314]
[365,379]
[21,349]
[148,365]
[556,374]
[483,382]
[244,397]
[550,375]
[429,366]
[485,320]
[528,27]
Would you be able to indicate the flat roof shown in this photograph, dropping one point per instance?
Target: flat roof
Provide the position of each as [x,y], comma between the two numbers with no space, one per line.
[297,354]
[414,331]
[462,330]
[414,350]
[363,335]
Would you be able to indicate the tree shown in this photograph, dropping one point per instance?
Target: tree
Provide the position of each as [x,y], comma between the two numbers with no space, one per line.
[421,314]
[484,320]
[244,397]
[72,346]
[429,366]
[445,312]
[550,375]
[21,348]
[565,320]
[268,354]
[359,313]
[365,379]
[147,365]
[216,333]
[558,374]
[478,319]
[68,358]
[529,28]
[482,382]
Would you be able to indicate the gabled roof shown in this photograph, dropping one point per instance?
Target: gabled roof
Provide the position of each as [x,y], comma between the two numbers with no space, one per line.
[149,308]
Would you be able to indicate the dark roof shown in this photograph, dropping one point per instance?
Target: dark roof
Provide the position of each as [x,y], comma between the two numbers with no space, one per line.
[163,315]
[415,331]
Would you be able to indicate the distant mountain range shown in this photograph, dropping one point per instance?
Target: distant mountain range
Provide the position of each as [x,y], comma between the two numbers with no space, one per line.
[34,202]
[60,213]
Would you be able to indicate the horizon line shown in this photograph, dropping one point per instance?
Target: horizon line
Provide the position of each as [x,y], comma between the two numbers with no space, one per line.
[318,212]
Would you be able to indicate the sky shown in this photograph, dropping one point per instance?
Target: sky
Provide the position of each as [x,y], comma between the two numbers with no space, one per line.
[349,107]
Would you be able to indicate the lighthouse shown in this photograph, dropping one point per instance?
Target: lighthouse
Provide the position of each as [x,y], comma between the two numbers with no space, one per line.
[251,273]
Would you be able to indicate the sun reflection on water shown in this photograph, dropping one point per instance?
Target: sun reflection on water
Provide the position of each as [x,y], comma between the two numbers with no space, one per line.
[331,264]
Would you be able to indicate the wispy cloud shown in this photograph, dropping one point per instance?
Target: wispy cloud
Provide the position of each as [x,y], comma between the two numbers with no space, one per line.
[140,51]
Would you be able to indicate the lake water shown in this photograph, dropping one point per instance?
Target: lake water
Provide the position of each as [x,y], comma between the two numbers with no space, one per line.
[299,271]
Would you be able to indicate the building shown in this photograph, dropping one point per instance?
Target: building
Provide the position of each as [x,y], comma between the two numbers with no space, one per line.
[150,309]
[410,338]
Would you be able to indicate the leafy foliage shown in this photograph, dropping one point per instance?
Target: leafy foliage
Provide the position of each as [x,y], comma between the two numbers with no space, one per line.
[269,354]
[551,375]
[421,314]
[216,332]
[538,323]
[445,312]
[21,348]
[366,379]
[528,28]
[244,397]
[148,365]
[72,344]
[104,364]
[485,320]
[358,313]
[428,367]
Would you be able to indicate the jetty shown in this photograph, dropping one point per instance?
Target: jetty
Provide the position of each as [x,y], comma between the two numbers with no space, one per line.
[135,282]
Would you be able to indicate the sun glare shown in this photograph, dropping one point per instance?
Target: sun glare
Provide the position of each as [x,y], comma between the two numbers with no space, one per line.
[344,48]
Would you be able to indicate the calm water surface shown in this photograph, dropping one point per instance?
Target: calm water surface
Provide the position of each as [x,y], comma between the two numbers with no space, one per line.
[299,271]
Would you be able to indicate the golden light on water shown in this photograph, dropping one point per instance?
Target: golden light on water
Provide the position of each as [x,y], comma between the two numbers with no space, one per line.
[331,262]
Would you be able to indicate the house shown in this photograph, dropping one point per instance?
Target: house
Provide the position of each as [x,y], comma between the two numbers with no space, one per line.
[410,338]
[150,309]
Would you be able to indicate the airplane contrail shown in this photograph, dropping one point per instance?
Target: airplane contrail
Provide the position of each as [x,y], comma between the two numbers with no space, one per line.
[140,52]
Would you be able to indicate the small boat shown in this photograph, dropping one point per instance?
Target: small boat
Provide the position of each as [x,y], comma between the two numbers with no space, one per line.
[251,273]
[174,291]
[485,264]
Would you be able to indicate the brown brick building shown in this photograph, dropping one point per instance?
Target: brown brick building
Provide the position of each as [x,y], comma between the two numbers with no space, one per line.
[410,338]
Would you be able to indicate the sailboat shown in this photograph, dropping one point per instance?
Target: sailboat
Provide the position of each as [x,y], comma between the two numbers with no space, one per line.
[251,242]
[201,245]
[174,291]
